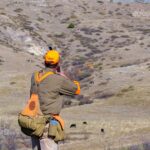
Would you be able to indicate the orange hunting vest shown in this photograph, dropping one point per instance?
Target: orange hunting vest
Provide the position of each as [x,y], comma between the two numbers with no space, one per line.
[32,108]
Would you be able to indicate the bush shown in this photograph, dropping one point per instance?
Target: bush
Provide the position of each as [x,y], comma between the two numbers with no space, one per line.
[18,10]
[103,95]
[84,75]
[71,25]
[84,100]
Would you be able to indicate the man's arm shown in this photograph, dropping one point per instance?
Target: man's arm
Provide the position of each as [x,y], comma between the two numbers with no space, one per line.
[70,87]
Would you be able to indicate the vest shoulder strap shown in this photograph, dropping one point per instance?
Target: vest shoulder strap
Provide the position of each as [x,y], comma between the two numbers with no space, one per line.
[39,77]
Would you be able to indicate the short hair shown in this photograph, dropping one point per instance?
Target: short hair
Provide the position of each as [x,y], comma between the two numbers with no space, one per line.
[49,65]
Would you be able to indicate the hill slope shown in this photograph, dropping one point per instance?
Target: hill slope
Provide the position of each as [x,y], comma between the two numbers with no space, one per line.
[106,49]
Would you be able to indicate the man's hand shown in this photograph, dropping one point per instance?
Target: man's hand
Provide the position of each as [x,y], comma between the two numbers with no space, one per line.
[78,87]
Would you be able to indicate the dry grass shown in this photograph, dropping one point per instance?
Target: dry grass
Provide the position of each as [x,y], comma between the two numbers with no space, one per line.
[107,51]
[132,96]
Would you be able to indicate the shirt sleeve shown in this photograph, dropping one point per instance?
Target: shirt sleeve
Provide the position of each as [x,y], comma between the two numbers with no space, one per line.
[68,87]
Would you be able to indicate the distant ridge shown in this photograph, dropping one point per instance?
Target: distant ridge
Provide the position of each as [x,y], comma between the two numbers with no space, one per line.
[131,1]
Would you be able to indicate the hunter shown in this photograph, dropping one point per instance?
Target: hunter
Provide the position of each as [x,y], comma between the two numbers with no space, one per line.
[50,85]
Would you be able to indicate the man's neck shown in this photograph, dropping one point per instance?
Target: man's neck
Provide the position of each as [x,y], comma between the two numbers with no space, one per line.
[50,69]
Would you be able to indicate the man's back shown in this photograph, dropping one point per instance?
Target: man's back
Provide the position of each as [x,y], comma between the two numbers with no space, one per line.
[50,91]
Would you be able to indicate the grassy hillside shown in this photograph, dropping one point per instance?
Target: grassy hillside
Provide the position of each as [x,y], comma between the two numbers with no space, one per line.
[103,45]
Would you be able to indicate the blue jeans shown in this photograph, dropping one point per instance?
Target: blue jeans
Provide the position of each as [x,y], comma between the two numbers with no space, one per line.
[35,143]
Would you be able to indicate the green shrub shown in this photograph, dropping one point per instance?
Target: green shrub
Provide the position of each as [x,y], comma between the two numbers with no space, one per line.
[71,26]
